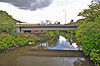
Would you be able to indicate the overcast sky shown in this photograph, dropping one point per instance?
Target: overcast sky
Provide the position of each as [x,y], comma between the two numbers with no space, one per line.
[34,11]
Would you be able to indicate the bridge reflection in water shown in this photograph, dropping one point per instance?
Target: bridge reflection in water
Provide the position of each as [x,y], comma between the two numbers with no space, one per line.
[55,53]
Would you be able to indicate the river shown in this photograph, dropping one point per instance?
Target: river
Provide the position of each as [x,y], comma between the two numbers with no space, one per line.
[57,51]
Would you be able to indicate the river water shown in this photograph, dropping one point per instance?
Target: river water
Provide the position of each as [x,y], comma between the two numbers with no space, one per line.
[57,51]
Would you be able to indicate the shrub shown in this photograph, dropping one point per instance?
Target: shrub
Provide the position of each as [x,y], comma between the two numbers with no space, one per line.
[3,46]
[88,35]
[95,55]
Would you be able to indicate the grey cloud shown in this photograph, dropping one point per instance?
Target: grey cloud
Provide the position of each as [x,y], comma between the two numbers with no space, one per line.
[29,4]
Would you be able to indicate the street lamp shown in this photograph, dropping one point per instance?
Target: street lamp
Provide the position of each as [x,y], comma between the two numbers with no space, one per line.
[65,15]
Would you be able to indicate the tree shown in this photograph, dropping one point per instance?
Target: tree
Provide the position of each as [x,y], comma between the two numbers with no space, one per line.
[88,32]
[7,23]
[92,12]
[88,35]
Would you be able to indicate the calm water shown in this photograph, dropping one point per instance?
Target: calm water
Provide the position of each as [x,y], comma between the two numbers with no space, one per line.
[57,51]
[60,44]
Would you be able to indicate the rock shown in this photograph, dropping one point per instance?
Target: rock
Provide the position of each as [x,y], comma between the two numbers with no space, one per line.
[30,43]
[17,45]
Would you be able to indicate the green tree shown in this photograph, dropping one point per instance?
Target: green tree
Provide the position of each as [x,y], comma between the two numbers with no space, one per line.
[7,23]
[88,32]
[88,35]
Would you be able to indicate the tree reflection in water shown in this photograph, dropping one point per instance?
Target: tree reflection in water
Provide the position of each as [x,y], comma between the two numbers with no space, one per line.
[70,37]
[65,44]
[49,43]
[54,42]
[81,62]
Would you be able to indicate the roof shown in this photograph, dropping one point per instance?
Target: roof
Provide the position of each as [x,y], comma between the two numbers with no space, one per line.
[28,25]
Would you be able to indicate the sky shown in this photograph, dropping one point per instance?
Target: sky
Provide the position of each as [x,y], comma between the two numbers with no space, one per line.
[35,11]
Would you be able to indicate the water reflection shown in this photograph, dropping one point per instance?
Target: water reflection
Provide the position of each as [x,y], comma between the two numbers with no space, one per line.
[52,61]
[76,61]
[49,43]
[63,52]
[71,38]
[58,43]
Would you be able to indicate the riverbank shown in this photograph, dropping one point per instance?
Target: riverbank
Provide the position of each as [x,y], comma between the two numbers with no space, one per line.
[9,42]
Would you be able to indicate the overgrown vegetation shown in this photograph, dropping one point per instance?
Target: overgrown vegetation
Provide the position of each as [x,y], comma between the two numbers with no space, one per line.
[8,41]
[88,32]
[7,23]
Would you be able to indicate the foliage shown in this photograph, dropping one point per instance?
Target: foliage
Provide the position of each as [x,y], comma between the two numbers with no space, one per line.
[49,35]
[52,34]
[7,41]
[32,39]
[88,35]
[2,45]
[88,32]
[7,23]
[95,55]
[21,41]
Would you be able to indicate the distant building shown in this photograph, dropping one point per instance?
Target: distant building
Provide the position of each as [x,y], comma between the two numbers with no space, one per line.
[46,22]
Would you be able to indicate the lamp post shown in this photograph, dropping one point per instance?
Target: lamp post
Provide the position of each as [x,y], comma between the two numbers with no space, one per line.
[65,15]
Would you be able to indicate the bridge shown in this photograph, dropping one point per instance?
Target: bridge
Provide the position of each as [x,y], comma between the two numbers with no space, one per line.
[48,27]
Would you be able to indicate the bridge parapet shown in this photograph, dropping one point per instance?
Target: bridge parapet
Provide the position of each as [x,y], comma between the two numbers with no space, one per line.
[39,27]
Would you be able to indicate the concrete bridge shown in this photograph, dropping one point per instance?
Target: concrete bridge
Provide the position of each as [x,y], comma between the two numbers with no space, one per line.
[60,27]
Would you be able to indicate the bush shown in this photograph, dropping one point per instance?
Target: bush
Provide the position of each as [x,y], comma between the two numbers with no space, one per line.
[13,39]
[95,55]
[6,40]
[88,35]
[3,46]
[21,41]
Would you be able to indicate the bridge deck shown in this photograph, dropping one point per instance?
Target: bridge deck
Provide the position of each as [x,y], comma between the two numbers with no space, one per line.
[25,28]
